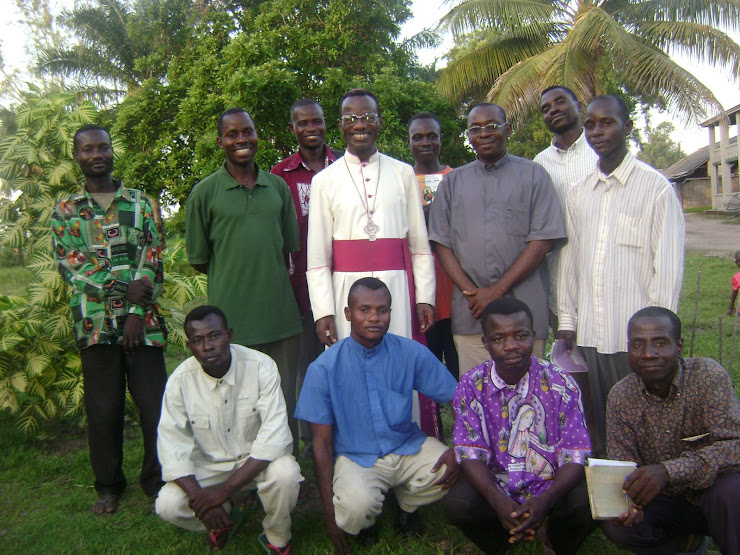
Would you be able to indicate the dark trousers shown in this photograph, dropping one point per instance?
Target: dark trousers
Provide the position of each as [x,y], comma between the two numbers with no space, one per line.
[604,371]
[668,520]
[439,341]
[285,354]
[569,522]
[106,369]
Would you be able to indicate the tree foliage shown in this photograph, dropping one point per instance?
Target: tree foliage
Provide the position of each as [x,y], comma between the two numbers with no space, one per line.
[272,54]
[659,149]
[539,44]
[118,44]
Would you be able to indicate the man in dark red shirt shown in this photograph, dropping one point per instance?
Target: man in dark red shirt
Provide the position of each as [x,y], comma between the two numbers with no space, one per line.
[309,126]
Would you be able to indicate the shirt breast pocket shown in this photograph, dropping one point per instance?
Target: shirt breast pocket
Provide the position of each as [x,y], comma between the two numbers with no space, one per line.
[517,218]
[397,408]
[249,416]
[203,433]
[631,231]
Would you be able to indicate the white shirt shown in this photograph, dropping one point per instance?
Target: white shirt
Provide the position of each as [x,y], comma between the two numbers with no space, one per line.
[341,196]
[566,167]
[625,251]
[215,424]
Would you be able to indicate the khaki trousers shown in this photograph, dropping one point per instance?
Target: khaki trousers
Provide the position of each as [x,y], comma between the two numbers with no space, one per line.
[277,487]
[471,352]
[359,492]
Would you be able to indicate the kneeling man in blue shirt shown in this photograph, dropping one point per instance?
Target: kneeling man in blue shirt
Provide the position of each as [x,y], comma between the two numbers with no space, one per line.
[358,396]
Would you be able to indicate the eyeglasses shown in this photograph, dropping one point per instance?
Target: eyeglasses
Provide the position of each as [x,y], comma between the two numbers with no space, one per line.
[489,128]
[350,119]
[213,336]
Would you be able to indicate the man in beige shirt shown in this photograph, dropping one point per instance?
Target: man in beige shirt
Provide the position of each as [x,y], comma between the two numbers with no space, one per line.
[224,433]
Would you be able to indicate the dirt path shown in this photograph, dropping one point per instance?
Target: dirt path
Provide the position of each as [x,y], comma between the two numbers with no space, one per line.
[712,234]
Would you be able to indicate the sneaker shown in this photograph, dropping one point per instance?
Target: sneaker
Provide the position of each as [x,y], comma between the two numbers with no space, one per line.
[697,545]
[272,549]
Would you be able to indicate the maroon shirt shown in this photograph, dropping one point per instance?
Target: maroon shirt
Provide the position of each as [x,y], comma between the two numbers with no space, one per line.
[298,176]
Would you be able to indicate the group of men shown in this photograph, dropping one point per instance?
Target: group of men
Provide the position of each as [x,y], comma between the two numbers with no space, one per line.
[321,245]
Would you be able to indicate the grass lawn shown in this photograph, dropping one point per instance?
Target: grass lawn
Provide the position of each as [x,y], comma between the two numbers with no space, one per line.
[46,481]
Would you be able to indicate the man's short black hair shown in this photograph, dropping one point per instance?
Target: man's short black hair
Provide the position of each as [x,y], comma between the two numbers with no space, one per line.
[201,313]
[371,283]
[505,305]
[304,102]
[737,255]
[359,92]
[84,129]
[569,92]
[425,115]
[623,110]
[489,105]
[659,312]
[230,112]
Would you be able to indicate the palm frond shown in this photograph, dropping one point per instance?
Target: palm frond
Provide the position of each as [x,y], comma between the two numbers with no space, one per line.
[486,64]
[507,15]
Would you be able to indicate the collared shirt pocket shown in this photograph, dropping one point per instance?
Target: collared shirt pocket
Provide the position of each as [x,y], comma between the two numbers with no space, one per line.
[203,433]
[631,231]
[248,416]
[397,408]
[517,218]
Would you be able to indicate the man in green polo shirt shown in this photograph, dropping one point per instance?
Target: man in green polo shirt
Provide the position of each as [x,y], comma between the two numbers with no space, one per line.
[240,228]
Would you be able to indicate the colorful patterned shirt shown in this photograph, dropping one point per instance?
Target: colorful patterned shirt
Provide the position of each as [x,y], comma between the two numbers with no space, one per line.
[694,432]
[98,252]
[523,432]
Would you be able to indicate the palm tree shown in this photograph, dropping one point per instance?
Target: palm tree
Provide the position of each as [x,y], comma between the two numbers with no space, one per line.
[121,44]
[582,44]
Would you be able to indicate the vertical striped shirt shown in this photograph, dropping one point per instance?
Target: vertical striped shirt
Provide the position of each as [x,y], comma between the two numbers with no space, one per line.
[566,168]
[625,251]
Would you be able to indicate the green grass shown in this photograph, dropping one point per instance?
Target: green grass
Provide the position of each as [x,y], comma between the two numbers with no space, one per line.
[46,491]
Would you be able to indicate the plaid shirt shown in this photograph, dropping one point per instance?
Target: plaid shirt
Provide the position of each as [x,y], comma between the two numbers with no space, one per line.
[98,252]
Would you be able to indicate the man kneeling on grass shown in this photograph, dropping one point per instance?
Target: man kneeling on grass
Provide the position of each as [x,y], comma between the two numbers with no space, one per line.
[521,436]
[224,434]
[358,398]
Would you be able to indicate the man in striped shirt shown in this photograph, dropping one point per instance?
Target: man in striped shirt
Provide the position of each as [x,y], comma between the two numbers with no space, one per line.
[625,251]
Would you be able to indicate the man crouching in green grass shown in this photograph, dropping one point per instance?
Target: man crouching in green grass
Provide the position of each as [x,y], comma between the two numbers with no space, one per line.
[224,434]
[358,398]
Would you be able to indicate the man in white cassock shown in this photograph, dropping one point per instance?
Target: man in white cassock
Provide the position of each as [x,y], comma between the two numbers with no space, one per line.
[366,219]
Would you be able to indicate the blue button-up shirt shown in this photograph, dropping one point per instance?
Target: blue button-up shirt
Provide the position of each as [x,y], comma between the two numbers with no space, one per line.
[366,396]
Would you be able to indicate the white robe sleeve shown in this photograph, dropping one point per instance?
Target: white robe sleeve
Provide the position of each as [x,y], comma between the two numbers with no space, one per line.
[422,261]
[319,256]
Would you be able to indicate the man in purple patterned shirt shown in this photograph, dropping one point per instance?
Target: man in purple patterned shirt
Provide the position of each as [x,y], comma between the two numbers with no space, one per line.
[679,420]
[521,437]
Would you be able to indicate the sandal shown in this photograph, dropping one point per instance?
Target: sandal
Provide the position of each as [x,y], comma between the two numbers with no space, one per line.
[217,539]
[106,503]
[272,549]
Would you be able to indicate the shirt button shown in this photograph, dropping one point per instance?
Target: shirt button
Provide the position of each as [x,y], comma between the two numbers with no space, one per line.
[192,421]
[367,179]
[226,401]
[228,430]
[220,381]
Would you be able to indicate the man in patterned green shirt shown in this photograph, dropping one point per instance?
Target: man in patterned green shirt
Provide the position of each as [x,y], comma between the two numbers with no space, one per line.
[107,249]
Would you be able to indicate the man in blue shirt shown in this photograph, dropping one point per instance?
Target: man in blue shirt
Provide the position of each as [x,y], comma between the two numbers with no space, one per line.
[357,397]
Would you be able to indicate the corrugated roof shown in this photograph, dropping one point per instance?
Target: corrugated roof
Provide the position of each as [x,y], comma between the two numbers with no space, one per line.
[687,165]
